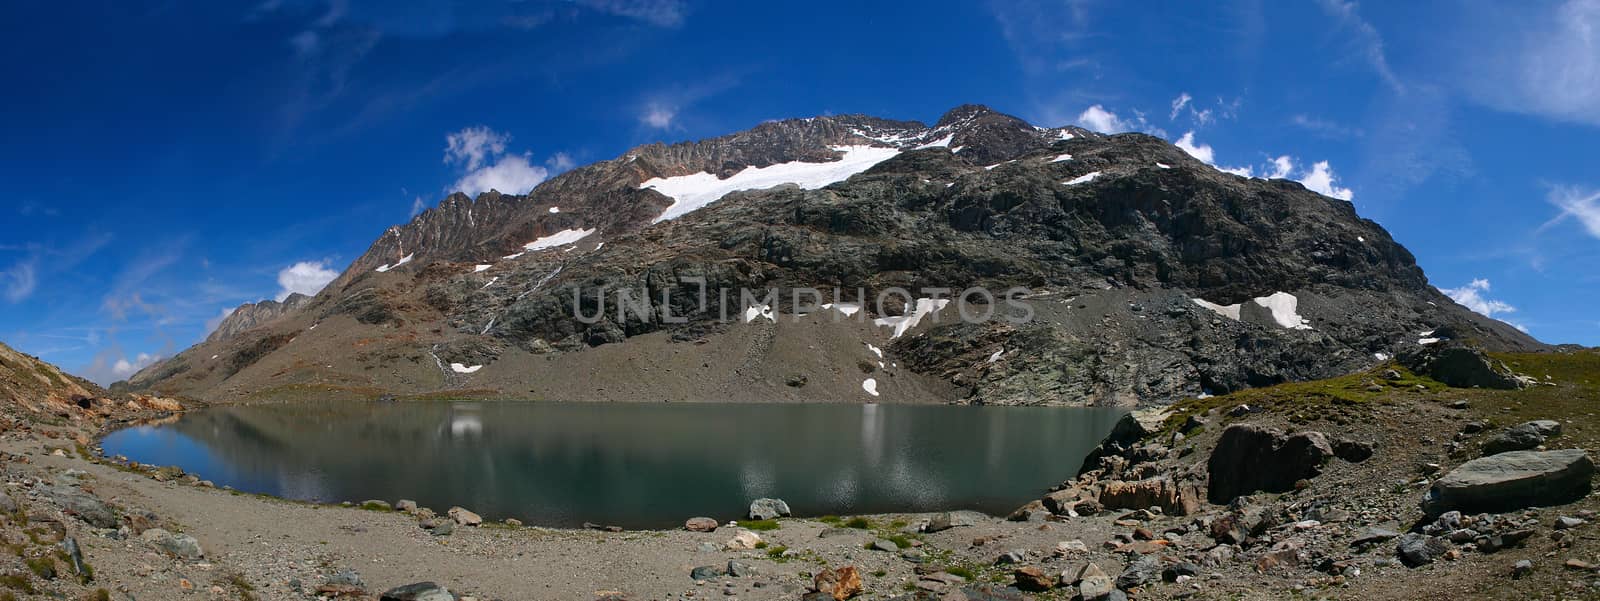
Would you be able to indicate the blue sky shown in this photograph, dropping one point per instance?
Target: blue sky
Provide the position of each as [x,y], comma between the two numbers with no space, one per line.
[162,164]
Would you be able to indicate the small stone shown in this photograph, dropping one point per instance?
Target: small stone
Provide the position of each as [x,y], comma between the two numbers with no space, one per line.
[1459,405]
[514,522]
[705,573]
[1093,583]
[406,505]
[1031,578]
[1578,564]
[1071,547]
[1419,550]
[1174,572]
[1140,571]
[743,540]
[1011,557]
[883,545]
[1565,522]
[421,591]
[346,577]
[1521,568]
[700,524]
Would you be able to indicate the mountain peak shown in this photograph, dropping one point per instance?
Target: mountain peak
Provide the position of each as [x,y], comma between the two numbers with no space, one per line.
[964,112]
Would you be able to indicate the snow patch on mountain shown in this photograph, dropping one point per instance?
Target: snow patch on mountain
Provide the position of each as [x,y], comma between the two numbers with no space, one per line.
[1082,179]
[922,308]
[697,190]
[402,261]
[561,238]
[1283,306]
[463,369]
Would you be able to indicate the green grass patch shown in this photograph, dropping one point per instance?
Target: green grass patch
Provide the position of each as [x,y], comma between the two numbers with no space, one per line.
[859,523]
[18,582]
[759,525]
[900,540]
[776,552]
[377,506]
[831,520]
[1338,399]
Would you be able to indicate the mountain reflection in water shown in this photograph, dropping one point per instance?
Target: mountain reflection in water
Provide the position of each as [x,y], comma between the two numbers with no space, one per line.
[633,465]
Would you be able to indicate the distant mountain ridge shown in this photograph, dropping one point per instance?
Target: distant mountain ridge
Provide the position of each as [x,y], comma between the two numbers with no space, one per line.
[1155,277]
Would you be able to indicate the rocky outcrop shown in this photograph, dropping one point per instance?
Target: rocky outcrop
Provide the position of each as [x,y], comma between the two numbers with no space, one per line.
[1461,366]
[1521,437]
[31,385]
[1511,481]
[1172,497]
[250,315]
[1250,458]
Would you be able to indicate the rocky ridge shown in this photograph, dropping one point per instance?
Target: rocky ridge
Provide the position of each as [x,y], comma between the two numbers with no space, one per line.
[1153,277]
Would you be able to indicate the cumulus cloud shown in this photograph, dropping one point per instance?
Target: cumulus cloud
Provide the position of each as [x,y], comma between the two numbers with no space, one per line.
[481,152]
[123,368]
[1473,296]
[305,277]
[1097,118]
[1577,203]
[1322,181]
[19,281]
[658,115]
[512,174]
[472,146]
[1319,178]
[1195,149]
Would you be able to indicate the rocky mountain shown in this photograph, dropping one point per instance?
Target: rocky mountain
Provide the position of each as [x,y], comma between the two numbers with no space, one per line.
[250,315]
[1149,277]
[32,385]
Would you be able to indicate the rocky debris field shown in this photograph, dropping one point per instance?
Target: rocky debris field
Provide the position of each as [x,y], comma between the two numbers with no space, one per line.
[1377,485]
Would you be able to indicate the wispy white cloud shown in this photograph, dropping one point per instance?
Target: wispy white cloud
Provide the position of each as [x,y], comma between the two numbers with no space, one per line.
[658,115]
[1365,37]
[305,277]
[481,152]
[661,13]
[418,206]
[214,322]
[560,161]
[1324,128]
[1576,203]
[1534,59]
[1474,296]
[19,281]
[1178,104]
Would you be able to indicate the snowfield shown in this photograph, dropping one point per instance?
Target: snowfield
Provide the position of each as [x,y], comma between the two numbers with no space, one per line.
[561,238]
[697,190]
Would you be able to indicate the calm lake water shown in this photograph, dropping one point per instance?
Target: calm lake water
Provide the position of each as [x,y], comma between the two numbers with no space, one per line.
[632,465]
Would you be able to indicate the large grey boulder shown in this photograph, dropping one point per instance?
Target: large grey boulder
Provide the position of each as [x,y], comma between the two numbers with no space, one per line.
[767,509]
[1510,481]
[182,546]
[1420,549]
[86,506]
[1250,458]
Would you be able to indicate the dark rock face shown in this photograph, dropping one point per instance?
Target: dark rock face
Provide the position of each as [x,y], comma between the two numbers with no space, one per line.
[1250,458]
[977,199]
[1460,366]
[1511,481]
